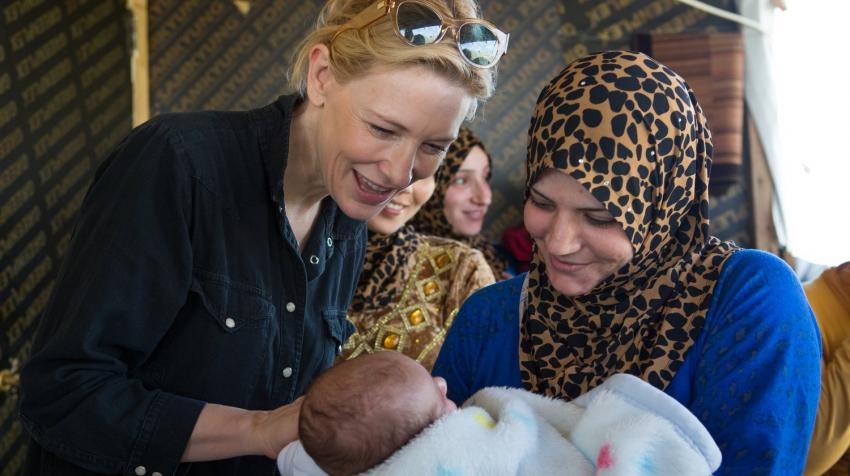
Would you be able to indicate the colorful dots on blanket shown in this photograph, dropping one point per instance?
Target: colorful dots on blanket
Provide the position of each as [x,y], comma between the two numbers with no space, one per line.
[605,459]
[523,417]
[483,419]
[647,465]
[443,471]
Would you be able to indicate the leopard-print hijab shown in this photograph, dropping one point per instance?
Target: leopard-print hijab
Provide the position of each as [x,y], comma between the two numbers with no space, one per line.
[631,132]
[431,218]
[384,269]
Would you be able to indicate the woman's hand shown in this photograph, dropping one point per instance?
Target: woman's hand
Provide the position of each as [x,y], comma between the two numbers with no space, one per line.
[223,432]
[277,428]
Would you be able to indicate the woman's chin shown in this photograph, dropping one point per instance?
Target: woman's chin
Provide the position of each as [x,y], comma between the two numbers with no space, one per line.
[569,286]
[467,230]
[357,211]
[384,227]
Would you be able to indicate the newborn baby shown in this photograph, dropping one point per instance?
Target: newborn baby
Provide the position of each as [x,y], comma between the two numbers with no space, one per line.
[373,415]
[361,411]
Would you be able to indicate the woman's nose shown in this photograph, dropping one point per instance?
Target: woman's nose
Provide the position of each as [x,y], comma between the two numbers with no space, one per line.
[482,195]
[564,236]
[405,191]
[398,167]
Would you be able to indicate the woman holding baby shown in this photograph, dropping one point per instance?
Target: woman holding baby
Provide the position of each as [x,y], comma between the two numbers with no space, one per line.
[626,278]
[216,253]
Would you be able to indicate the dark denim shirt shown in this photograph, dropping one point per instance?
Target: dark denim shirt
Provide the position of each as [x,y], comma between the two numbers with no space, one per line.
[184,285]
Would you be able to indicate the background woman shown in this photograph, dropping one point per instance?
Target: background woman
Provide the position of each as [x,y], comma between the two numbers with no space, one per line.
[829,296]
[626,278]
[412,284]
[216,254]
[459,205]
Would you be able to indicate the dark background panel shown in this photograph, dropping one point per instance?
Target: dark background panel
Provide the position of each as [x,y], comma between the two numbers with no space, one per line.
[65,100]
[211,55]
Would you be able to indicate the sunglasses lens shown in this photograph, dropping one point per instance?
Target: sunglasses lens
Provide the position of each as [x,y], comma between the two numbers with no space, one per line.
[478,43]
[418,24]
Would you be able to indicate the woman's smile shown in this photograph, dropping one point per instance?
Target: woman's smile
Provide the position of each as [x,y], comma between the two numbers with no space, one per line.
[370,192]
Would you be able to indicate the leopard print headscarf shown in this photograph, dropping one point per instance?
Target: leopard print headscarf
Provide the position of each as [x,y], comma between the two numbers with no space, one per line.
[631,132]
[431,218]
[383,268]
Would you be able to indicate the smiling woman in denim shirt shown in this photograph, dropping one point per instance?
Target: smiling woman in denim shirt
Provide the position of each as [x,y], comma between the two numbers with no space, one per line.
[216,253]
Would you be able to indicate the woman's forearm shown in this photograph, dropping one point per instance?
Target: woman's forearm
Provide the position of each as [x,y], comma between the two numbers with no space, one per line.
[223,432]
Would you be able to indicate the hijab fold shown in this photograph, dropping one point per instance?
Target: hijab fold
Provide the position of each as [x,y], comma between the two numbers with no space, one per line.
[378,286]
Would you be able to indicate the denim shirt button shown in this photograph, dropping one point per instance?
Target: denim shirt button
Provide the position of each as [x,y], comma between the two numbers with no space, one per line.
[140,471]
[287,372]
[314,259]
[330,241]
[230,323]
[290,307]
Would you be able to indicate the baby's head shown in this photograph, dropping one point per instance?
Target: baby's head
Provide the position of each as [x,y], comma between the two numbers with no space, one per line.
[361,411]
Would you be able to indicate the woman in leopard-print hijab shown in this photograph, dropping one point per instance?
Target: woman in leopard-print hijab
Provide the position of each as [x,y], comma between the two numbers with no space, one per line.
[626,278]
[461,199]
[412,284]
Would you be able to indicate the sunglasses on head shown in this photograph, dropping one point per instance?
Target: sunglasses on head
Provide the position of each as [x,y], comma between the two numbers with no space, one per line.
[480,43]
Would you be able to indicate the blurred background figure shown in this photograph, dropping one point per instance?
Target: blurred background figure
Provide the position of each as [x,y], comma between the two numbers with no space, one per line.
[829,296]
[462,197]
[412,284]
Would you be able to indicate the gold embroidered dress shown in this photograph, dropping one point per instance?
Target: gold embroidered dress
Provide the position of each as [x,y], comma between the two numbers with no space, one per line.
[411,287]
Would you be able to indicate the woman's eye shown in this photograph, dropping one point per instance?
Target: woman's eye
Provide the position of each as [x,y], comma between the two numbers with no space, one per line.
[459,181]
[380,131]
[539,204]
[434,149]
[601,222]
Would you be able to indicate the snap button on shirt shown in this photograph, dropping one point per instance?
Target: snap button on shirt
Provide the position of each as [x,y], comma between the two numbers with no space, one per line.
[314,259]
[290,307]
[229,322]
[140,470]
[287,372]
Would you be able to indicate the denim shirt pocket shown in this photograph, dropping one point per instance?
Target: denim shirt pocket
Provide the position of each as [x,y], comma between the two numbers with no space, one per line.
[338,327]
[234,306]
[221,339]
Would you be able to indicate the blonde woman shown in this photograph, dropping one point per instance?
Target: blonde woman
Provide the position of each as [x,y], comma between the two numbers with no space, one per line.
[216,254]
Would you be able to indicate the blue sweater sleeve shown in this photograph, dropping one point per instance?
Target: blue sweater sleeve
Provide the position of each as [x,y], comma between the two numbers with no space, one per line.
[755,371]
[480,349]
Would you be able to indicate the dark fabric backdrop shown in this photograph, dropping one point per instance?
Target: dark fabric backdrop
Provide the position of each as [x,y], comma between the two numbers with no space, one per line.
[65,101]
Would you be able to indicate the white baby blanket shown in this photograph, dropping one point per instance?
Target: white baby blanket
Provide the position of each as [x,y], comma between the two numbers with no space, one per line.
[623,427]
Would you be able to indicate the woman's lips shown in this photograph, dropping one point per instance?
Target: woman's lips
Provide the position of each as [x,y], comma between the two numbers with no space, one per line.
[474,215]
[565,266]
[370,192]
[393,209]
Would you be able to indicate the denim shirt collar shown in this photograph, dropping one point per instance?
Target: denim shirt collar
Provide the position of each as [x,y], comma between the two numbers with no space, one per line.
[274,124]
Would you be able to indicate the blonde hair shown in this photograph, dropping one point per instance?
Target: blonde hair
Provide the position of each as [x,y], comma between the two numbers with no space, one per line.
[356,52]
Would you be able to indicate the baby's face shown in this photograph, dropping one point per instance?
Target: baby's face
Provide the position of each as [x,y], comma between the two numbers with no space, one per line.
[444,405]
[429,392]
